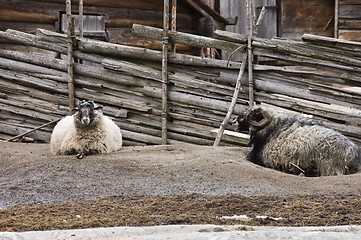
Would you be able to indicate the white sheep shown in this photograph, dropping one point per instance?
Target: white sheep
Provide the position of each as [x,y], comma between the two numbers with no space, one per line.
[86,132]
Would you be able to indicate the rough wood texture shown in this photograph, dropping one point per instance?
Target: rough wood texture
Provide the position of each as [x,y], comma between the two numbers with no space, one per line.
[119,16]
[70,57]
[318,76]
[165,81]
[348,20]
[312,16]
[184,38]
[120,89]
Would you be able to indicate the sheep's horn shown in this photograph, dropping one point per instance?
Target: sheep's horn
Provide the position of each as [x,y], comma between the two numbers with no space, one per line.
[258,117]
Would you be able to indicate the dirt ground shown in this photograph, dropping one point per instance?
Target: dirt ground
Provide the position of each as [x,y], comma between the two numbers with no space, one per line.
[161,185]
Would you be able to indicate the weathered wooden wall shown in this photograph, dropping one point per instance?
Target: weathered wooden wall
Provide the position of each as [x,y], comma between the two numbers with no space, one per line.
[284,18]
[234,8]
[27,16]
[349,20]
[311,16]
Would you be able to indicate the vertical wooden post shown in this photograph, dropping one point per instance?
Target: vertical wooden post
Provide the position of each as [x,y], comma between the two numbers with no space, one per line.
[173,25]
[70,43]
[250,54]
[165,41]
[337,7]
[81,18]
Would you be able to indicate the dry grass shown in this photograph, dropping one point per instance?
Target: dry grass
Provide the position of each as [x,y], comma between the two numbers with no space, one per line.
[190,209]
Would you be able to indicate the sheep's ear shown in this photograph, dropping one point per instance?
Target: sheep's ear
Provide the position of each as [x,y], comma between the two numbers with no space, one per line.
[74,110]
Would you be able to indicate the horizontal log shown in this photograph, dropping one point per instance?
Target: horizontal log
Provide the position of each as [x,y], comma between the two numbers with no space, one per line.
[351,116]
[178,78]
[184,38]
[55,87]
[190,100]
[14,130]
[32,63]
[117,50]
[4,106]
[316,39]
[48,66]
[344,70]
[9,87]
[298,48]
[30,39]
[230,36]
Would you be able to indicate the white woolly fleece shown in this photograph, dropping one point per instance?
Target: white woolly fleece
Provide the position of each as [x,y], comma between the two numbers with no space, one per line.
[101,137]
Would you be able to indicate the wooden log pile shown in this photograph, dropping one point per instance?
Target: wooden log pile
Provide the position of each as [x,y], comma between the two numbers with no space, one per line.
[126,80]
[316,76]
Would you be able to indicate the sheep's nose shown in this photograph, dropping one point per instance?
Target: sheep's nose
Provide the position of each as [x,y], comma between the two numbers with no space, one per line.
[85,121]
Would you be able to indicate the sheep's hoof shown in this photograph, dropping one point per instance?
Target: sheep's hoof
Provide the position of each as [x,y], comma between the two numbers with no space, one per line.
[80,155]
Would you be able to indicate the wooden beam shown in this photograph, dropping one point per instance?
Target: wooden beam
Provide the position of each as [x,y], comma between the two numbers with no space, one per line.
[70,58]
[165,39]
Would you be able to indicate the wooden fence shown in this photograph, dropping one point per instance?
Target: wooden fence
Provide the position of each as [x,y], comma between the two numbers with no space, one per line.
[317,76]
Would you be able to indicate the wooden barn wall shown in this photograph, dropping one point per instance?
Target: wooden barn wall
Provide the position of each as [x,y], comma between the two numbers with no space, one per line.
[284,18]
[349,20]
[27,16]
[311,16]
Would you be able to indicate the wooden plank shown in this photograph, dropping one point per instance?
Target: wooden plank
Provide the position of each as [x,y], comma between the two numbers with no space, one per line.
[233,8]
[135,4]
[269,26]
[12,15]
[351,35]
[26,27]
[349,11]
[311,16]
[355,2]
[349,24]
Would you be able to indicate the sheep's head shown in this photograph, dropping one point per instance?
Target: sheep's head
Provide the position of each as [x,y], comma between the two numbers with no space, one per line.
[258,117]
[241,124]
[85,112]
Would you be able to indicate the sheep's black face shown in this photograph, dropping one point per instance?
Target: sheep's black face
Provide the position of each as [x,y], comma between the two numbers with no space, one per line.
[242,124]
[245,119]
[85,112]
